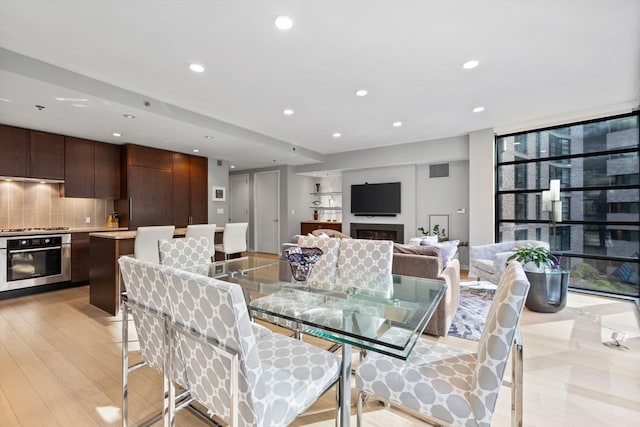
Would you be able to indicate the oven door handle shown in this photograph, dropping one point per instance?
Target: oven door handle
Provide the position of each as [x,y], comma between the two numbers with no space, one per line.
[11,251]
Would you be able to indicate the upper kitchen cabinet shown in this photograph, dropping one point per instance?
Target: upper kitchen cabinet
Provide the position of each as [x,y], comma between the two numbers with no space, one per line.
[31,154]
[92,169]
[46,155]
[107,171]
[189,185]
[14,145]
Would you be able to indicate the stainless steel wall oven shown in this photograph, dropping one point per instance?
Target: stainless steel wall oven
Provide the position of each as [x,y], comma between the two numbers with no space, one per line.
[34,260]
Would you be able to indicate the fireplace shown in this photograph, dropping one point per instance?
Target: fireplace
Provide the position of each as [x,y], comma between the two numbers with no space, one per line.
[393,232]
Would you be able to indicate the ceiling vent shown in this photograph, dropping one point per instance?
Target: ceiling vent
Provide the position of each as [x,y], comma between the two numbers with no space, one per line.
[219,162]
[439,171]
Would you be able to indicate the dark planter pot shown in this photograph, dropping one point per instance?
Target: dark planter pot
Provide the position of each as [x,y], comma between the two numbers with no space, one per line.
[548,290]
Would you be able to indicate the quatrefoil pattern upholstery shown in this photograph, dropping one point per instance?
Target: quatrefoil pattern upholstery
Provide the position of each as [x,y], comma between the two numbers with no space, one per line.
[184,252]
[455,386]
[323,274]
[279,377]
[146,287]
[361,259]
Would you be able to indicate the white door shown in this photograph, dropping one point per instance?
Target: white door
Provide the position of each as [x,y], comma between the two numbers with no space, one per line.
[267,211]
[239,198]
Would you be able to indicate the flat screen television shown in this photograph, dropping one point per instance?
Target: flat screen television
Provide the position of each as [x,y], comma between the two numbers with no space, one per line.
[375,199]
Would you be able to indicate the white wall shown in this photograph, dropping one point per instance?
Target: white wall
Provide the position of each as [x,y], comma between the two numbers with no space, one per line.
[481,187]
[218,177]
[444,196]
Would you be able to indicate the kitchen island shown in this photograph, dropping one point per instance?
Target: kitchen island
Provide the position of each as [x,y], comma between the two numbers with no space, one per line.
[104,274]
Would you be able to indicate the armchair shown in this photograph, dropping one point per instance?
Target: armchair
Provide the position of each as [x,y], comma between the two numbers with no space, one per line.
[487,262]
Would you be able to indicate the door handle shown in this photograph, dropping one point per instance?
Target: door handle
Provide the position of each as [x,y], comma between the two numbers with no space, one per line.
[130,209]
[275,220]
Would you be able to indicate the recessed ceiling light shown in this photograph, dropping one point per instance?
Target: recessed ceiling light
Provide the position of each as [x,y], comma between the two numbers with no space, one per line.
[397,124]
[287,111]
[128,116]
[116,134]
[196,68]
[470,64]
[283,22]
[5,100]
[79,105]
[42,182]
[195,150]
[362,92]
[208,136]
[232,166]
[337,135]
[478,109]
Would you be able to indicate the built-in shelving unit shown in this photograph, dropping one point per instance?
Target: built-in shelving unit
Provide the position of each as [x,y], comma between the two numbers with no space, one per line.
[327,201]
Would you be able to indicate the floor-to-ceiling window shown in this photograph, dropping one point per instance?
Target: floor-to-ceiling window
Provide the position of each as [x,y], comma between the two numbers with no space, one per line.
[598,220]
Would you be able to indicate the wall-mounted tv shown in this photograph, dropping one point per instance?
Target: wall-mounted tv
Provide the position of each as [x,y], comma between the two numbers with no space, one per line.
[375,199]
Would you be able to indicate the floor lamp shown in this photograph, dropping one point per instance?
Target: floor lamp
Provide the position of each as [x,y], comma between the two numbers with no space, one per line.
[551,203]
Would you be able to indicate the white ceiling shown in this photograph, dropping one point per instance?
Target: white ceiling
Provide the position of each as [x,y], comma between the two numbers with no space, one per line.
[540,62]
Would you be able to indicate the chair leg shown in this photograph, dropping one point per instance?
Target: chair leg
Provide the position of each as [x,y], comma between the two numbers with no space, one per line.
[517,381]
[359,399]
[125,365]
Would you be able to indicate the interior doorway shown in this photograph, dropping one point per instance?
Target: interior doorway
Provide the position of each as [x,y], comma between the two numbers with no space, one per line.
[267,211]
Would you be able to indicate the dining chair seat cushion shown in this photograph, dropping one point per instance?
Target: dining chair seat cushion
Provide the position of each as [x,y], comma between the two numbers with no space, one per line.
[287,303]
[296,373]
[436,379]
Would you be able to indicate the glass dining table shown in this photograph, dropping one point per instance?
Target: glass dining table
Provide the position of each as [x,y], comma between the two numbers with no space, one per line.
[358,316]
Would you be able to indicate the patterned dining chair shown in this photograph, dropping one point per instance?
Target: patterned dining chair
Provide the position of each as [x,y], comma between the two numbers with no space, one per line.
[204,230]
[146,299]
[184,252]
[244,379]
[366,264]
[443,384]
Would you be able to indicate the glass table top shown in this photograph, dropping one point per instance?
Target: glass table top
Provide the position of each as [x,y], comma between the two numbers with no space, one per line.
[387,322]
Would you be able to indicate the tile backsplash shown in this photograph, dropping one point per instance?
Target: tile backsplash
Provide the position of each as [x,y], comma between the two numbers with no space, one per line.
[32,204]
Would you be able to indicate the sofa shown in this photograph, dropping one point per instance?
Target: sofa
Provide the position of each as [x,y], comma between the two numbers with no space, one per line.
[425,262]
[487,262]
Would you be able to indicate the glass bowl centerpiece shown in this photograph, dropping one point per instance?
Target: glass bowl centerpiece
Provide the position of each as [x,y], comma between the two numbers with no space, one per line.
[302,260]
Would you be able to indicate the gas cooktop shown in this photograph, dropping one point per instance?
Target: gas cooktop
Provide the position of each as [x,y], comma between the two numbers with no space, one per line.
[29,229]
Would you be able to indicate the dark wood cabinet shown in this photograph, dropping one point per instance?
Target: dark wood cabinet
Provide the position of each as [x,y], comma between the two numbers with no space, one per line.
[189,182]
[79,167]
[92,169]
[199,174]
[46,155]
[107,171]
[14,145]
[80,257]
[149,192]
[181,187]
[307,227]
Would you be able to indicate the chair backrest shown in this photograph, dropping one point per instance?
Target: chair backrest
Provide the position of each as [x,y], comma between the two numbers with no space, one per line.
[323,274]
[360,259]
[186,252]
[217,310]
[204,230]
[234,239]
[494,346]
[146,287]
[145,246]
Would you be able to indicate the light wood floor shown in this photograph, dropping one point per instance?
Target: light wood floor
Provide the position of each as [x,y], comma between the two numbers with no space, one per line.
[60,365]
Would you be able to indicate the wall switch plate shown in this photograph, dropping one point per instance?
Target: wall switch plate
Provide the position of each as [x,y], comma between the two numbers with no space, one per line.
[87,220]
[220,210]
[461,210]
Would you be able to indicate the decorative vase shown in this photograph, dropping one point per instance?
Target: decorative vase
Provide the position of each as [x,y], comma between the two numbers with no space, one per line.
[315,215]
[302,260]
[317,188]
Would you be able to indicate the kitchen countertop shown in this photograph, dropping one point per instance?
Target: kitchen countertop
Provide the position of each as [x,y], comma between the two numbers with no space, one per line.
[131,234]
[69,230]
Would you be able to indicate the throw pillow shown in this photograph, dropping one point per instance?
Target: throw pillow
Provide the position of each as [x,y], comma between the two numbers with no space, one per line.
[448,249]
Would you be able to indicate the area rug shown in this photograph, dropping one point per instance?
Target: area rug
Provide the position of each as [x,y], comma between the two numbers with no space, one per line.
[475,300]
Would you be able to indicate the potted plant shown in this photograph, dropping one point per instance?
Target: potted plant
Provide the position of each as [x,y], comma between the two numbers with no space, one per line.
[548,282]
